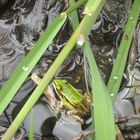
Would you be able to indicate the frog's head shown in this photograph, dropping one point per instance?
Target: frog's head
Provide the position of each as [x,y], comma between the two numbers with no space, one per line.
[59,84]
[60,87]
[65,90]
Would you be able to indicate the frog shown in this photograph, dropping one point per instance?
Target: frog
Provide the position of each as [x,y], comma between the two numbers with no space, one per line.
[73,100]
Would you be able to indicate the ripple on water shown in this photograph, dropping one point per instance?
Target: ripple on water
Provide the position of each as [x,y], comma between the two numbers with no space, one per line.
[21,24]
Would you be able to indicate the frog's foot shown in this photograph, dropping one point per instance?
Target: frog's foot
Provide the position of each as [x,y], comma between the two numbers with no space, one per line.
[88,97]
[58,115]
[77,119]
[72,112]
[60,106]
[74,115]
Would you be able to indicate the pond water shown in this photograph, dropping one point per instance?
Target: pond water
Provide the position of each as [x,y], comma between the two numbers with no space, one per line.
[21,24]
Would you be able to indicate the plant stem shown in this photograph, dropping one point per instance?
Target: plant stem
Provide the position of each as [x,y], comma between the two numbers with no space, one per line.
[75,6]
[121,59]
[88,19]
[25,67]
[103,116]
[73,16]
[101,102]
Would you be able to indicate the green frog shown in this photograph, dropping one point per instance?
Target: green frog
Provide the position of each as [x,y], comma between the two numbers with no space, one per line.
[76,103]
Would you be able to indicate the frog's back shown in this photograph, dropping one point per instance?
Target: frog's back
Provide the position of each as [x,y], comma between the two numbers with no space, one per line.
[71,94]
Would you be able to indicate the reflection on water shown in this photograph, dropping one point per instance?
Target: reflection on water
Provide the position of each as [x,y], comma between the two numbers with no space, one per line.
[21,24]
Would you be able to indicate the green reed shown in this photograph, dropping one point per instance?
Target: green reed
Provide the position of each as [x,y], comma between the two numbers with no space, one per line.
[121,59]
[103,121]
[79,36]
[25,67]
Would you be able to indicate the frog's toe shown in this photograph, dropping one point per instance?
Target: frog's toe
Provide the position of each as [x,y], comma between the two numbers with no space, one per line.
[72,112]
[60,106]
[81,121]
[78,119]
[74,115]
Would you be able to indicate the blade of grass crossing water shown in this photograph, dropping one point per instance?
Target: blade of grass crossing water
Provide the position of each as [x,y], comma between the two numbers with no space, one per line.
[121,59]
[97,104]
[103,110]
[74,6]
[75,22]
[88,19]
[74,16]
[32,125]
[22,71]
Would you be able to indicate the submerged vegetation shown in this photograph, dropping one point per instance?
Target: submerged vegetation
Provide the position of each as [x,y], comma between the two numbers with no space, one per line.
[77,104]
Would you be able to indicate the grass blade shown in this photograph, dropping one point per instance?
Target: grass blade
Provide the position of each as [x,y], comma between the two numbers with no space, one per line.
[88,19]
[103,116]
[74,16]
[23,70]
[73,7]
[100,118]
[120,63]
[32,125]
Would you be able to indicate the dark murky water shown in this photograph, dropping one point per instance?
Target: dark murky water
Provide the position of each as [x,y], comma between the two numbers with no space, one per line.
[21,24]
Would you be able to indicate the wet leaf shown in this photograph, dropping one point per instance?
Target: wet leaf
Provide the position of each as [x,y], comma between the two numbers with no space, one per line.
[25,67]
[83,28]
[121,59]
[103,116]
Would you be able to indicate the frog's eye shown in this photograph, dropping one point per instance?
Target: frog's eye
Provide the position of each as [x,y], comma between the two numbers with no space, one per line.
[65,81]
[59,87]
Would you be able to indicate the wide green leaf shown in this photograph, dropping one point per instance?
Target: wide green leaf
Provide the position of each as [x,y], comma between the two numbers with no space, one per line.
[103,116]
[101,119]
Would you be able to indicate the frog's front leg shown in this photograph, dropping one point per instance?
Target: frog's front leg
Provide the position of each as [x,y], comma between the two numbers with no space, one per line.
[60,105]
[88,97]
[74,114]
